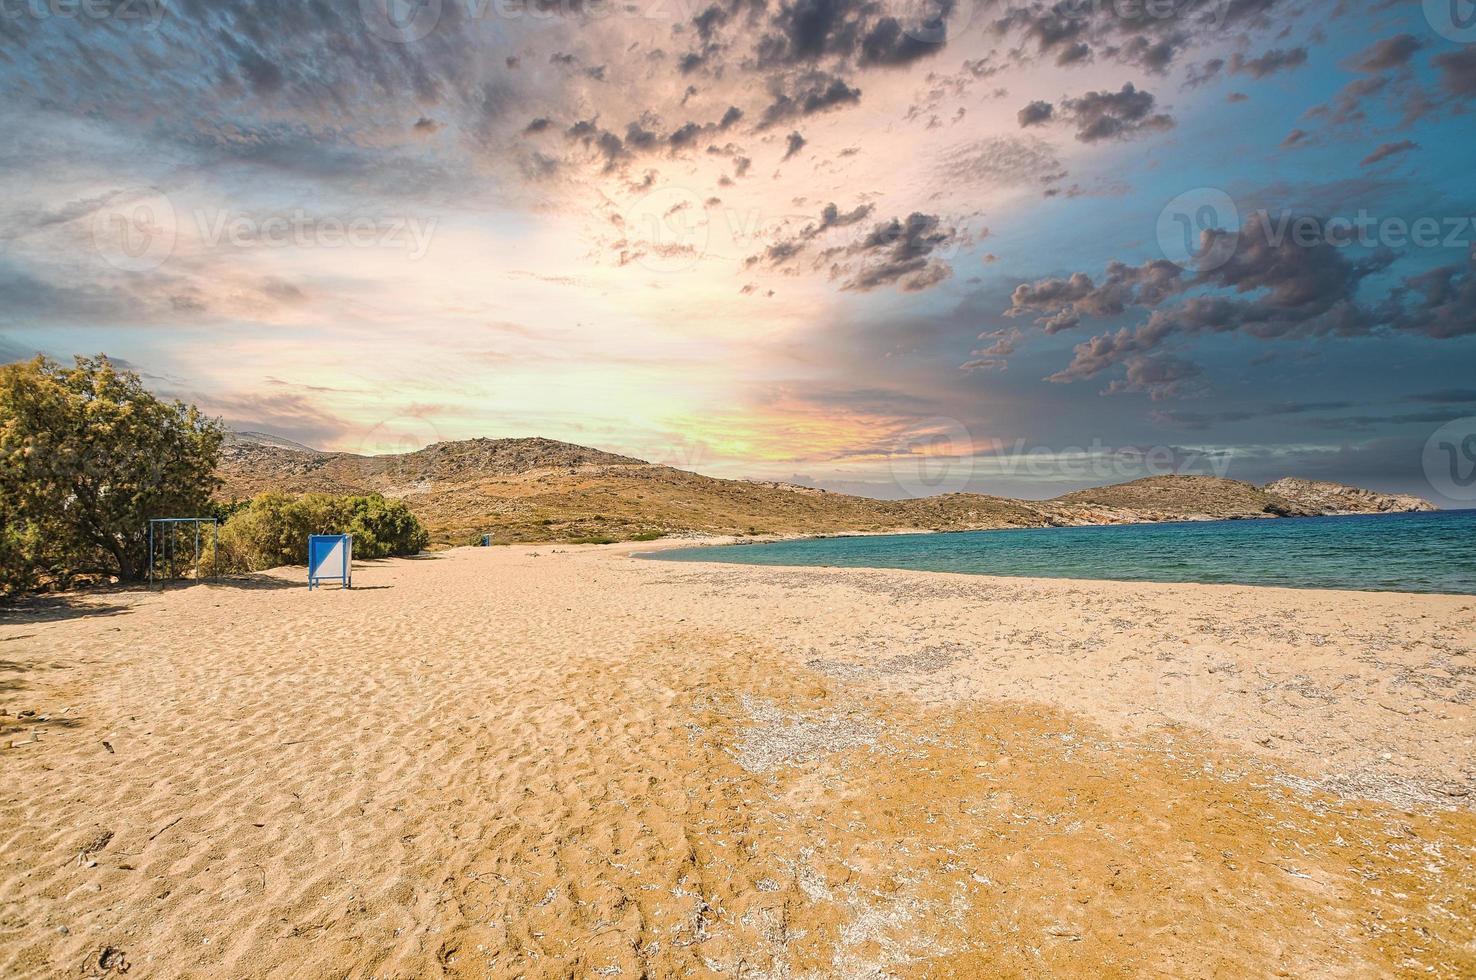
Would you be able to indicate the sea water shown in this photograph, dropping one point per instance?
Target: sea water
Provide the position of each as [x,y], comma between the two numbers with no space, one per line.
[1416,552]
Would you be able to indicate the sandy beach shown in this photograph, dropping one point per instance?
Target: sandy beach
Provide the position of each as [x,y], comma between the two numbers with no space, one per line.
[562,761]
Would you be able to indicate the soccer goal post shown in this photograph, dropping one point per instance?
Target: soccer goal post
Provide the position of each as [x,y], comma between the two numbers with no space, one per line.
[176,543]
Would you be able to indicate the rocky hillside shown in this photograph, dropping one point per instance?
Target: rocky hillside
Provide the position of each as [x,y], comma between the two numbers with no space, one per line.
[1338,498]
[543,490]
[1178,498]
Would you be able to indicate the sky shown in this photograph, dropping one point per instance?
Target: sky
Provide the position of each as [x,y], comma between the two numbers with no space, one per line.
[893,248]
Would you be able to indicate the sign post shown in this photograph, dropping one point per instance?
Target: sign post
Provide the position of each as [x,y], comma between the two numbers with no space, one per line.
[330,558]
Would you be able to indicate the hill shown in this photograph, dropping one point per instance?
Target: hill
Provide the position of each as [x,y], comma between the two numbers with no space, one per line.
[1337,498]
[544,490]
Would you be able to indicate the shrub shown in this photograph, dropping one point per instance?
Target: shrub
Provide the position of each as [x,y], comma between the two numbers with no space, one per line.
[87,457]
[273,528]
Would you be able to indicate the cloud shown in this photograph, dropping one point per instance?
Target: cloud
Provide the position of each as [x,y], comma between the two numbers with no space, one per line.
[1071,33]
[805,31]
[1268,63]
[1035,113]
[1161,376]
[1205,420]
[297,415]
[1203,74]
[1117,115]
[995,356]
[1000,161]
[793,143]
[1100,116]
[1458,72]
[1391,52]
[1386,150]
[900,251]
[831,216]
[1060,304]
[1440,303]
[1296,291]
[808,94]
[1445,395]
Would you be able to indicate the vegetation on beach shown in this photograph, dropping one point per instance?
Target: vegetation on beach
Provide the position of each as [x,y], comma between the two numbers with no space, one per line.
[272,529]
[87,456]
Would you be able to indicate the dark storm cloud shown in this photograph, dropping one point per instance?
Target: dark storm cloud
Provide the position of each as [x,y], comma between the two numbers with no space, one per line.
[805,31]
[1298,290]
[889,43]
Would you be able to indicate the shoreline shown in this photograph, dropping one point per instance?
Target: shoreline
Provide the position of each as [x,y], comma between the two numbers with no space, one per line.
[1088,570]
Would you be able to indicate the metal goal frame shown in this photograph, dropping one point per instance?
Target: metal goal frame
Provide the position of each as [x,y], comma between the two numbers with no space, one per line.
[164,543]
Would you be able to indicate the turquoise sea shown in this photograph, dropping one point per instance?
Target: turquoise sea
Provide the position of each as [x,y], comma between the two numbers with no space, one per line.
[1423,552]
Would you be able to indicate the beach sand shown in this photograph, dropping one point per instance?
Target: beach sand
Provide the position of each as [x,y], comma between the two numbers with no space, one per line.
[562,761]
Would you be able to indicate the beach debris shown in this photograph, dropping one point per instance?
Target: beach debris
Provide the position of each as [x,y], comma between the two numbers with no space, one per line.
[99,841]
[928,660]
[778,738]
[111,959]
[166,827]
[108,746]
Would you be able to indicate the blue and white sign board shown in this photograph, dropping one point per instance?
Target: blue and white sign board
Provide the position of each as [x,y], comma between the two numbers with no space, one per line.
[330,559]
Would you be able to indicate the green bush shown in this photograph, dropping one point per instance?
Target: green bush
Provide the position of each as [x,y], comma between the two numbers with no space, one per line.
[87,457]
[273,528]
